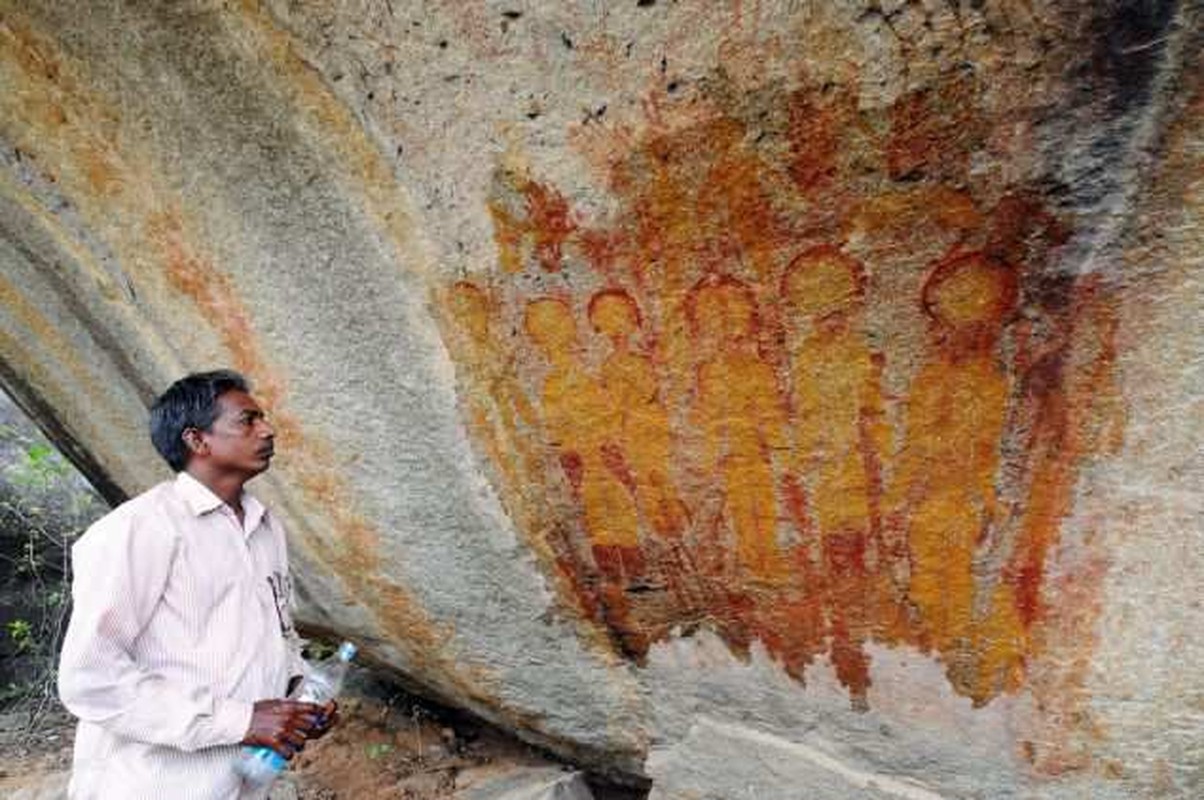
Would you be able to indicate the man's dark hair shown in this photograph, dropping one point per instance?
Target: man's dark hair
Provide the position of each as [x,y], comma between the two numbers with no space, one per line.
[190,402]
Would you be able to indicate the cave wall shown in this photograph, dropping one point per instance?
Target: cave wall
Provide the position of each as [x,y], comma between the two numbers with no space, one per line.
[745,395]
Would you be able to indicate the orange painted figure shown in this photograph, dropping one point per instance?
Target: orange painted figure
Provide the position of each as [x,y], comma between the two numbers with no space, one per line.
[496,411]
[1077,413]
[531,221]
[839,436]
[1070,411]
[665,216]
[734,203]
[659,183]
[739,411]
[585,428]
[943,493]
[630,383]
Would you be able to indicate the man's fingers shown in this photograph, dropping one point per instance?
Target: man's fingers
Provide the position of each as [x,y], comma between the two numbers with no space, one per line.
[330,717]
[302,715]
[289,743]
[325,728]
[306,711]
[296,739]
[295,706]
[282,747]
[303,721]
[285,725]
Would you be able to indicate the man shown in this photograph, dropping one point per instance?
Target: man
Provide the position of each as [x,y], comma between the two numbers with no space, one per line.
[181,639]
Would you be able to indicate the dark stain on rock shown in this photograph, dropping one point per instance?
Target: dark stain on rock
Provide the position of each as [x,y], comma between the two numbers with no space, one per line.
[1129,46]
[594,115]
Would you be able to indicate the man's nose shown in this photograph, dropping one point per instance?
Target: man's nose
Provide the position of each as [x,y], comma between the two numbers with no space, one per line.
[266,431]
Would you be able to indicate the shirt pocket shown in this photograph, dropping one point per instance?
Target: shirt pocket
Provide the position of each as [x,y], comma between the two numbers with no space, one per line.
[281,586]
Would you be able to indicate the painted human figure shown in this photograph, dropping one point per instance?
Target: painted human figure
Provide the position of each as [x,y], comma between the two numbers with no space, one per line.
[584,425]
[585,428]
[630,382]
[734,201]
[739,411]
[1067,410]
[943,495]
[498,408]
[633,385]
[839,436]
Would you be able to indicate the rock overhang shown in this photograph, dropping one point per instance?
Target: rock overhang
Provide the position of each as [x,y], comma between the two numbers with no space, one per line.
[784,352]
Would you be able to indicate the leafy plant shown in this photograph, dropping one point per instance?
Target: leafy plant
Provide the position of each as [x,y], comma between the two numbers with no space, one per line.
[12,692]
[40,468]
[378,750]
[21,633]
[319,649]
[44,505]
[41,563]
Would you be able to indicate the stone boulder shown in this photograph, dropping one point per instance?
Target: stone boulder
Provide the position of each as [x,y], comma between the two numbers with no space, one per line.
[764,398]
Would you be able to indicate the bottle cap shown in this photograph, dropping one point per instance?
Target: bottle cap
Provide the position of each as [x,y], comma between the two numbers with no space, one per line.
[271,758]
[347,651]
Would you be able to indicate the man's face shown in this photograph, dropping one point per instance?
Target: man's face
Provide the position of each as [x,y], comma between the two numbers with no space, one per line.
[240,440]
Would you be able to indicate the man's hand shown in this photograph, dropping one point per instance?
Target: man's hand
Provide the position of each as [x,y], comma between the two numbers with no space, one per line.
[328,717]
[284,725]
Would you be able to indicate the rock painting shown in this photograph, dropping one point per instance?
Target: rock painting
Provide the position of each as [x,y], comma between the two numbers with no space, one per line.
[814,380]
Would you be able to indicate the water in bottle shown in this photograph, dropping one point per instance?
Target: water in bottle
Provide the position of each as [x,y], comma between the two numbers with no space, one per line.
[324,682]
[259,765]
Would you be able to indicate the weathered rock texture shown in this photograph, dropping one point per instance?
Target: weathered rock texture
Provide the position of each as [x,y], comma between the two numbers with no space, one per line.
[814,386]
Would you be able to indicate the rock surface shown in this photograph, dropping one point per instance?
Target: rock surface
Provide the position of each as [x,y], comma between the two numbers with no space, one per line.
[533,784]
[664,381]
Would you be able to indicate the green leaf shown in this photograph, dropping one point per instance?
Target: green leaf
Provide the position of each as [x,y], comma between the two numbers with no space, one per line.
[37,453]
[378,750]
[21,632]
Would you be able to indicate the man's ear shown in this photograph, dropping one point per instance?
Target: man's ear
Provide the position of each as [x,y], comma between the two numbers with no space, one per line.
[194,441]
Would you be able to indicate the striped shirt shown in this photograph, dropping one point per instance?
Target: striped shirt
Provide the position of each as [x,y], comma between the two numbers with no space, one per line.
[181,621]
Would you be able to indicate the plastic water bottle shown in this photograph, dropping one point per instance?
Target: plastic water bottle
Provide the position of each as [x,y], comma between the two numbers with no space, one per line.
[323,682]
[260,765]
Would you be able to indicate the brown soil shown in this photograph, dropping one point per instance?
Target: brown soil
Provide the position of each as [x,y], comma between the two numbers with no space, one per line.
[34,755]
[388,744]
[387,750]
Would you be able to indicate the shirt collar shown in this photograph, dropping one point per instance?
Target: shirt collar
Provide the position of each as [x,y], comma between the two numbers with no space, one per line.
[199,497]
[201,500]
[253,512]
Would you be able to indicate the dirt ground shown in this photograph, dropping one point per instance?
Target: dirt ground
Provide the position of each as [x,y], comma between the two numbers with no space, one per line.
[34,760]
[388,745]
[393,746]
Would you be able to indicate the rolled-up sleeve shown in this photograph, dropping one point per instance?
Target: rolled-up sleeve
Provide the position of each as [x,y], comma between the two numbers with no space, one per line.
[121,568]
